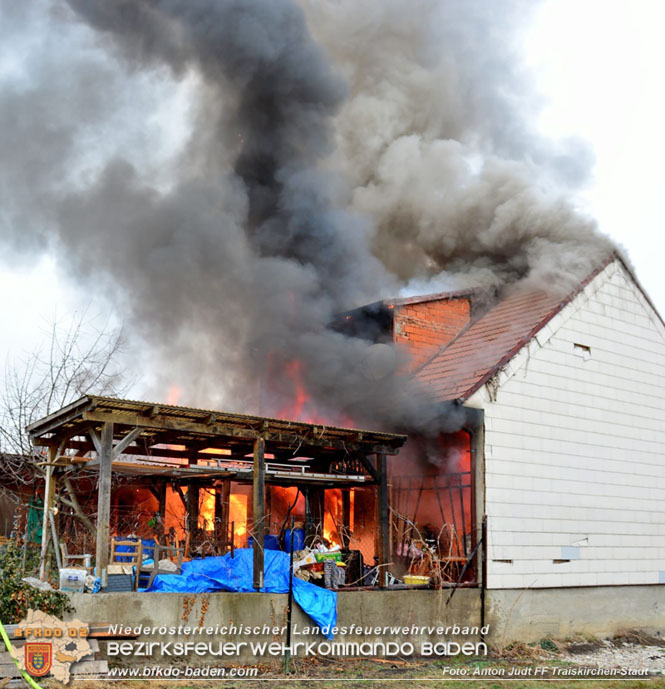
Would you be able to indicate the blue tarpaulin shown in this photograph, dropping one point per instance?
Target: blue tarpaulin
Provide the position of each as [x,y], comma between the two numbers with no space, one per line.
[148,548]
[228,573]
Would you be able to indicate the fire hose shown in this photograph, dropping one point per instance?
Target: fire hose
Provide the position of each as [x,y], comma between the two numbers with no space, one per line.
[24,674]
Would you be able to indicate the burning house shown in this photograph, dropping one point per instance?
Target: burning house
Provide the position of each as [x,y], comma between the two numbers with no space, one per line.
[317,171]
[535,494]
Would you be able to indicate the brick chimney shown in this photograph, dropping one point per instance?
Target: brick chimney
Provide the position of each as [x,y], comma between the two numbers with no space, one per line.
[419,325]
[423,325]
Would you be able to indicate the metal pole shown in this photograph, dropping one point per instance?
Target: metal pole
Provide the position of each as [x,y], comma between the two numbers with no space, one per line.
[384,540]
[289,605]
[483,576]
[258,517]
[461,501]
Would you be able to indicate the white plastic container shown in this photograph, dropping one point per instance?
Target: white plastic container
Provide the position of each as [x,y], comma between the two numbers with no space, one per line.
[72,579]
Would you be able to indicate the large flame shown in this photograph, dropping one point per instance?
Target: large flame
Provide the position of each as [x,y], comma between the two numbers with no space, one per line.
[296,407]
[300,406]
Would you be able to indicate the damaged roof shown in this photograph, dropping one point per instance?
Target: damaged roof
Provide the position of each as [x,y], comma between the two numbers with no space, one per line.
[486,344]
[149,429]
[493,338]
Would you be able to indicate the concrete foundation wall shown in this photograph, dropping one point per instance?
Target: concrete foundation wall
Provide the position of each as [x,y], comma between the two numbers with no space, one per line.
[512,615]
[360,608]
[532,614]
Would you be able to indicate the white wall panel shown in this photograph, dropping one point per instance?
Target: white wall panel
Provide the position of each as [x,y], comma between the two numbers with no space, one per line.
[575,448]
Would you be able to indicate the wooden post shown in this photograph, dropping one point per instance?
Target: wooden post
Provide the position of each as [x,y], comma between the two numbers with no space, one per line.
[258,517]
[193,512]
[317,497]
[162,511]
[383,520]
[268,510]
[161,488]
[222,497]
[49,499]
[104,503]
[346,517]
[25,541]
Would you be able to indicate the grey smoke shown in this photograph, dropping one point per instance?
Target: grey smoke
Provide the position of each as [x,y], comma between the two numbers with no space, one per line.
[437,137]
[336,153]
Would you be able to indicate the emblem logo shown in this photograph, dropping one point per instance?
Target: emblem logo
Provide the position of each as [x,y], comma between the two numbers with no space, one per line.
[38,658]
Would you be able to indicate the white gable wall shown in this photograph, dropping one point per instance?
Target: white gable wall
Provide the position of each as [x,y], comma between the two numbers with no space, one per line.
[575,447]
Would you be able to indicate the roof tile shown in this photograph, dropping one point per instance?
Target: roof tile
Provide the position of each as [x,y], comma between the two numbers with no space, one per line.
[459,369]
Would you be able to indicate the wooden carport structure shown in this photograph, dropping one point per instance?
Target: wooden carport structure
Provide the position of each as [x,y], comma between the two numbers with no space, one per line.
[183,444]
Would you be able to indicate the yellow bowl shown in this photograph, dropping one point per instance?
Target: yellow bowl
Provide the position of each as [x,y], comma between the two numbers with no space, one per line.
[415,579]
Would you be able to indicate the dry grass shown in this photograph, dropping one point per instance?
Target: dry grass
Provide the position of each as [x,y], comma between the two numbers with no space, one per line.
[635,636]
[396,674]
[412,673]
[520,652]
[376,683]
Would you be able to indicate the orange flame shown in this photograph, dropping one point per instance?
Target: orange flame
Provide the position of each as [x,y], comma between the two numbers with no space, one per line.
[301,407]
[175,393]
[207,511]
[333,518]
[238,514]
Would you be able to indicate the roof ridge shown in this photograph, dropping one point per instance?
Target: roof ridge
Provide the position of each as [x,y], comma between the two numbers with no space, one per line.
[433,296]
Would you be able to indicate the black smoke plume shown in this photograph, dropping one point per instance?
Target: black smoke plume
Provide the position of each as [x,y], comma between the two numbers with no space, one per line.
[334,153]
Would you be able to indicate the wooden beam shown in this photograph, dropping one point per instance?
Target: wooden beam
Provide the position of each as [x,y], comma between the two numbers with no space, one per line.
[383,520]
[104,502]
[346,517]
[181,495]
[240,448]
[54,422]
[126,441]
[291,438]
[370,468]
[140,450]
[49,498]
[96,440]
[258,515]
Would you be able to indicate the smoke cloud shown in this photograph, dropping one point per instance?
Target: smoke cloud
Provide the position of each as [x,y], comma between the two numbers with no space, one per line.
[329,154]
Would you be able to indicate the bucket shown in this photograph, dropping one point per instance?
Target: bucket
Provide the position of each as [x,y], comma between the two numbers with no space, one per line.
[72,579]
[298,540]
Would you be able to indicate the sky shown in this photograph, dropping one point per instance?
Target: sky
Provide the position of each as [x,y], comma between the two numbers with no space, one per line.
[599,67]
[596,66]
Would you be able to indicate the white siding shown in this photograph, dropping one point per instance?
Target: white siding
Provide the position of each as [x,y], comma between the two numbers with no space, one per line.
[575,448]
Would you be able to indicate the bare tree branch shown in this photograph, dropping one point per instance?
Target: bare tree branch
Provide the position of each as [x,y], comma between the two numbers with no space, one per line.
[73,502]
[78,358]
